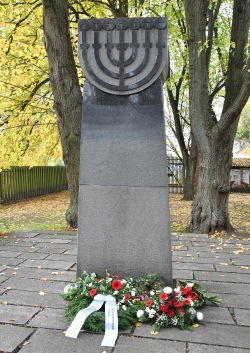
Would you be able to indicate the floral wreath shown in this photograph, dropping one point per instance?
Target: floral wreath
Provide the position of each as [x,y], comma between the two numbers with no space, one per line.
[145,300]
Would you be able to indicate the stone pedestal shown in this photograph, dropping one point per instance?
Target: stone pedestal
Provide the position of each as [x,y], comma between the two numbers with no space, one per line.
[123,201]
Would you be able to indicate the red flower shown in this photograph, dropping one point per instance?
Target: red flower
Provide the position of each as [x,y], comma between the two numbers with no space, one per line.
[92,292]
[193,296]
[149,302]
[186,290]
[115,276]
[163,296]
[170,312]
[187,301]
[100,279]
[116,285]
[127,296]
[181,310]
[176,304]
[163,307]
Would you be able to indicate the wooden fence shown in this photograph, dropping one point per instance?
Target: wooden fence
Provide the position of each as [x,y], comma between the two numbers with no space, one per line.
[23,182]
[175,175]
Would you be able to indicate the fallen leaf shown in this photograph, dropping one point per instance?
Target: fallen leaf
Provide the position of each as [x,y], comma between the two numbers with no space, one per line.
[42,293]
[195,325]
[224,264]
[138,324]
[43,279]
[154,332]
[54,273]
[12,319]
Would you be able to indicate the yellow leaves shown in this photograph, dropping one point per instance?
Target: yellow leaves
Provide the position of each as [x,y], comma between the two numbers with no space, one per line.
[224,264]
[138,324]
[245,267]
[195,325]
[154,332]
[43,279]
[42,293]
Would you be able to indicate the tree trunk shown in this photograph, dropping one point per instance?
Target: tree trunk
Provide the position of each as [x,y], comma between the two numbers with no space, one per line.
[189,164]
[214,138]
[66,92]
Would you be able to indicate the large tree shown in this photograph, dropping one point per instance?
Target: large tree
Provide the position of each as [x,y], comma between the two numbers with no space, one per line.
[214,136]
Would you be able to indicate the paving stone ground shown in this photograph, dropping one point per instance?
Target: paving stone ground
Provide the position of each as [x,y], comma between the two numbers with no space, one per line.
[35,266]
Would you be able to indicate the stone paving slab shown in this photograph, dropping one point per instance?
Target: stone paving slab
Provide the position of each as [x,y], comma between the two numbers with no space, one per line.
[242,317]
[222,277]
[62,257]
[8,261]
[59,265]
[53,341]
[11,254]
[33,256]
[19,297]
[232,268]
[230,288]
[192,266]
[38,273]
[235,301]
[50,318]
[47,240]
[13,314]
[139,345]
[202,348]
[34,285]
[183,274]
[217,315]
[216,334]
[12,336]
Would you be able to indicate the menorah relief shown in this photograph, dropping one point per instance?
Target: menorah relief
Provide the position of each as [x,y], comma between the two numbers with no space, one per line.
[123,56]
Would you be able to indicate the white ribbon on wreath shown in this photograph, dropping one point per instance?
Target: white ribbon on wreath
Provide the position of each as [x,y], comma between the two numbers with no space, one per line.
[111,319]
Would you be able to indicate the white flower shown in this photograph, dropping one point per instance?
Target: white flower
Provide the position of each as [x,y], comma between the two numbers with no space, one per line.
[190,284]
[90,284]
[132,293]
[199,316]
[115,292]
[139,313]
[151,313]
[168,290]
[152,292]
[67,289]
[177,290]
[124,307]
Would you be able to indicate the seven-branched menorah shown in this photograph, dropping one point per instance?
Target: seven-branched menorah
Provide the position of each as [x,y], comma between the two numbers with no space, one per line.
[123,56]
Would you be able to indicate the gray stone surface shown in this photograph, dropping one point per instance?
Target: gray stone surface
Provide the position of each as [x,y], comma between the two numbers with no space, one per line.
[60,265]
[21,297]
[216,334]
[230,288]
[235,301]
[13,314]
[34,285]
[217,315]
[123,139]
[12,336]
[53,341]
[50,318]
[222,277]
[140,345]
[124,230]
[37,273]
[242,317]
[202,348]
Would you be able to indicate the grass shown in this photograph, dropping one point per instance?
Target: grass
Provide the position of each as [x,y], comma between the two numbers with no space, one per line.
[48,212]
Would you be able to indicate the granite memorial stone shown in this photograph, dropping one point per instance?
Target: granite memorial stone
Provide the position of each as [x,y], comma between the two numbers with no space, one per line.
[123,222]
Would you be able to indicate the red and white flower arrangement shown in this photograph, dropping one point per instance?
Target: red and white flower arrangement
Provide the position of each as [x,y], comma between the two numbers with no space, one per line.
[159,306]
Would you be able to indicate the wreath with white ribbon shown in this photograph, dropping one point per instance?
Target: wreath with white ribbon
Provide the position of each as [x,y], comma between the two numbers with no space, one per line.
[106,304]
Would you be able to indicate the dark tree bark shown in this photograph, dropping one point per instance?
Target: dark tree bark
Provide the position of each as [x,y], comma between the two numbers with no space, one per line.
[214,138]
[66,92]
